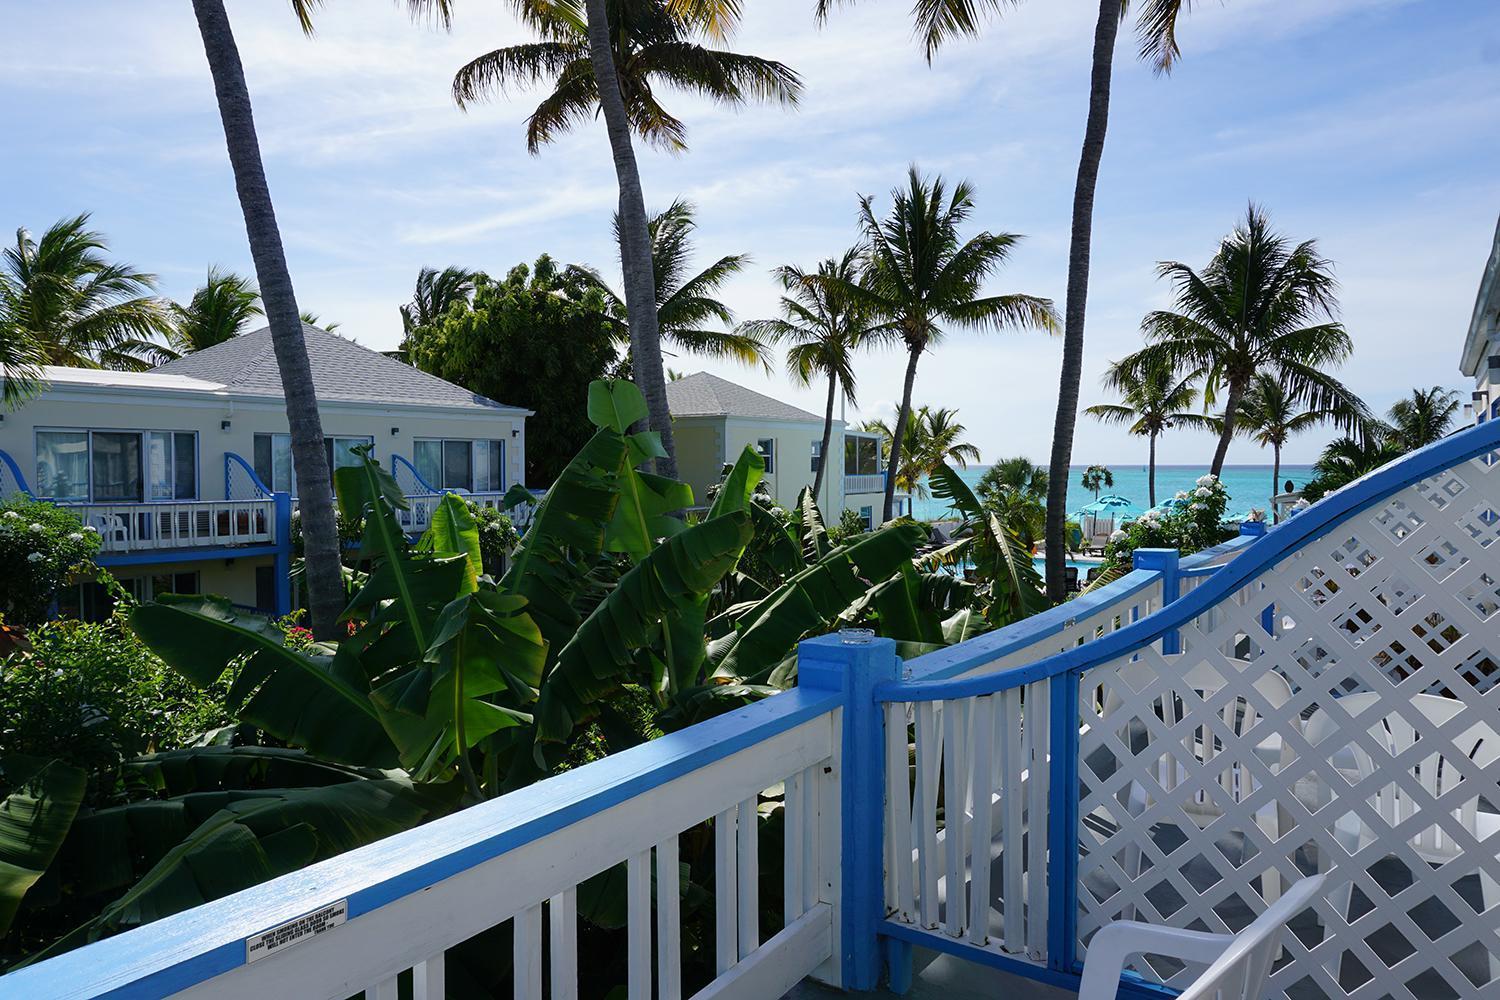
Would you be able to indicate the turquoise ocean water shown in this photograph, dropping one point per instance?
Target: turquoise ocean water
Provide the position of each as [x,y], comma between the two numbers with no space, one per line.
[1249,486]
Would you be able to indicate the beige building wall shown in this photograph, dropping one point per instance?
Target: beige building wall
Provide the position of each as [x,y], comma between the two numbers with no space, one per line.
[393,429]
[700,453]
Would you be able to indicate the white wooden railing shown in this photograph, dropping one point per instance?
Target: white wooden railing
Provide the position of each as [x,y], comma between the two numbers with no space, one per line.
[359,922]
[864,484]
[179,524]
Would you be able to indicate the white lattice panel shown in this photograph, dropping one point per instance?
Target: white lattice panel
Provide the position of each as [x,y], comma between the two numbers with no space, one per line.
[1358,736]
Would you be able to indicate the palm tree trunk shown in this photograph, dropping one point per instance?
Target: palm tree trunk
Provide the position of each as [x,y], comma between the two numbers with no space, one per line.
[635,241]
[1094,130]
[1151,472]
[827,439]
[1275,480]
[1231,410]
[893,467]
[325,584]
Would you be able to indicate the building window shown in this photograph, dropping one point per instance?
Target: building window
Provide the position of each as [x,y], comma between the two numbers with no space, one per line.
[273,458]
[449,464]
[91,602]
[867,512]
[767,449]
[861,455]
[117,466]
[817,455]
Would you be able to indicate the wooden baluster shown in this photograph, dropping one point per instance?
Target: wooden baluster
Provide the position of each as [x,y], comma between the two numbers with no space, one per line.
[953,812]
[929,759]
[427,981]
[793,817]
[668,921]
[901,897]
[1037,725]
[1012,801]
[726,905]
[980,785]
[526,953]
[747,839]
[562,913]
[638,930]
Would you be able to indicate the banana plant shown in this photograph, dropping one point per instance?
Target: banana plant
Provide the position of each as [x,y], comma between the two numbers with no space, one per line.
[1000,558]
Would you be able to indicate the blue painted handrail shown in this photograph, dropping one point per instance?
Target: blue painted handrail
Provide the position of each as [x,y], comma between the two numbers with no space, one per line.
[230,461]
[1259,556]
[400,460]
[15,471]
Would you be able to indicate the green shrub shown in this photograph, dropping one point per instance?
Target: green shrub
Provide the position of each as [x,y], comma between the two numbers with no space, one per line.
[41,546]
[93,694]
[849,525]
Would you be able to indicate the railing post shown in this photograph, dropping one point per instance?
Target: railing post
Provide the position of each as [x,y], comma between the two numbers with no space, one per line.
[282,504]
[852,663]
[1164,561]
[1062,828]
[1257,529]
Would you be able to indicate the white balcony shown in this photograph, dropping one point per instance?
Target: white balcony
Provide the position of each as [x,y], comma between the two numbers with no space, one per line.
[874,483]
[179,524]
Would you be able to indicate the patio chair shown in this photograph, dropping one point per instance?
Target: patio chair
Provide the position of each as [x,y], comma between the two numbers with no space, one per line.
[1238,973]
[112,529]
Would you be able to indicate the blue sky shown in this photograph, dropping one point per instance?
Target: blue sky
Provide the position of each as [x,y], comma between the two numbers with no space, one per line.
[1373,125]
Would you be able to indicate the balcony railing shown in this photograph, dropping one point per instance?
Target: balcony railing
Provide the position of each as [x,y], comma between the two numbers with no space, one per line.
[1322,699]
[154,526]
[874,483]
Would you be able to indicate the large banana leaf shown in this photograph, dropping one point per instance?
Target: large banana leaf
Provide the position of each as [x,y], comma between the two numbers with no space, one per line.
[184,852]
[34,818]
[453,532]
[808,522]
[813,599]
[213,768]
[677,573]
[647,502]
[317,701]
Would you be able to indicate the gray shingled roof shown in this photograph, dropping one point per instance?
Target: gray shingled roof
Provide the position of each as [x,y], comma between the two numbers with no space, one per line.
[705,395]
[342,371]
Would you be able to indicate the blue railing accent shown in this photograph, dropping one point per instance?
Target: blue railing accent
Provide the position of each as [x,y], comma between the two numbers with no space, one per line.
[8,464]
[1163,562]
[232,462]
[399,462]
[1062,836]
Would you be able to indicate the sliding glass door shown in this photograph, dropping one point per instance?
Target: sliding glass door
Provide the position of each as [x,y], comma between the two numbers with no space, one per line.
[117,466]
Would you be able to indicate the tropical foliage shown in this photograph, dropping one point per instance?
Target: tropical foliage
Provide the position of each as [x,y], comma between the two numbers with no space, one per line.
[1191,521]
[64,301]
[921,278]
[1015,491]
[221,308]
[503,343]
[1270,415]
[1096,478]
[42,546]
[1152,402]
[1423,417]
[1263,304]
[684,304]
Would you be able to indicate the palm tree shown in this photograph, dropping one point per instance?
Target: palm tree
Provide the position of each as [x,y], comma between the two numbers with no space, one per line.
[1261,304]
[1348,458]
[325,584]
[684,304]
[1270,414]
[1096,478]
[218,310]
[609,57]
[933,438]
[63,302]
[1152,402]
[920,277]
[937,21]
[823,326]
[1423,417]
[435,292]
[1015,491]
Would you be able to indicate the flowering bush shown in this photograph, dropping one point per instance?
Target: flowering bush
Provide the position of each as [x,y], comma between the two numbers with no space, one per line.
[41,546]
[498,537]
[1190,521]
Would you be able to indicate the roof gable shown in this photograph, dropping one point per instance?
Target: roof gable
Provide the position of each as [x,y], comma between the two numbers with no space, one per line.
[342,371]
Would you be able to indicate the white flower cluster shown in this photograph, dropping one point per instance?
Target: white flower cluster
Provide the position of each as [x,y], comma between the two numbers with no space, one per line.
[1209,480]
[1118,535]
[11,514]
[36,557]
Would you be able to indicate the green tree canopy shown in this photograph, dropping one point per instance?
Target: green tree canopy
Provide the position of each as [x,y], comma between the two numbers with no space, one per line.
[535,338]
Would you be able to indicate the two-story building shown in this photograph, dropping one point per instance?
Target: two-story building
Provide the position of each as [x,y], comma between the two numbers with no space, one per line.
[186,473]
[1481,355]
[713,420]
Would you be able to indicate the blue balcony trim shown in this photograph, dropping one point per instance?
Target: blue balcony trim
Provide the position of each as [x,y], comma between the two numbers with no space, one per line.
[15,471]
[1163,562]
[1062,822]
[189,948]
[977,652]
[402,461]
[230,460]
[1260,555]
[151,556]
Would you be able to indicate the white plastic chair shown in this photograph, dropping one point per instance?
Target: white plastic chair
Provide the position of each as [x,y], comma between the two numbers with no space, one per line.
[1238,973]
[112,529]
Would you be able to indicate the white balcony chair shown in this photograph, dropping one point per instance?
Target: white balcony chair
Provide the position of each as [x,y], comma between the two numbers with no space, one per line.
[112,530]
[1238,973]
[1238,781]
[1393,801]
